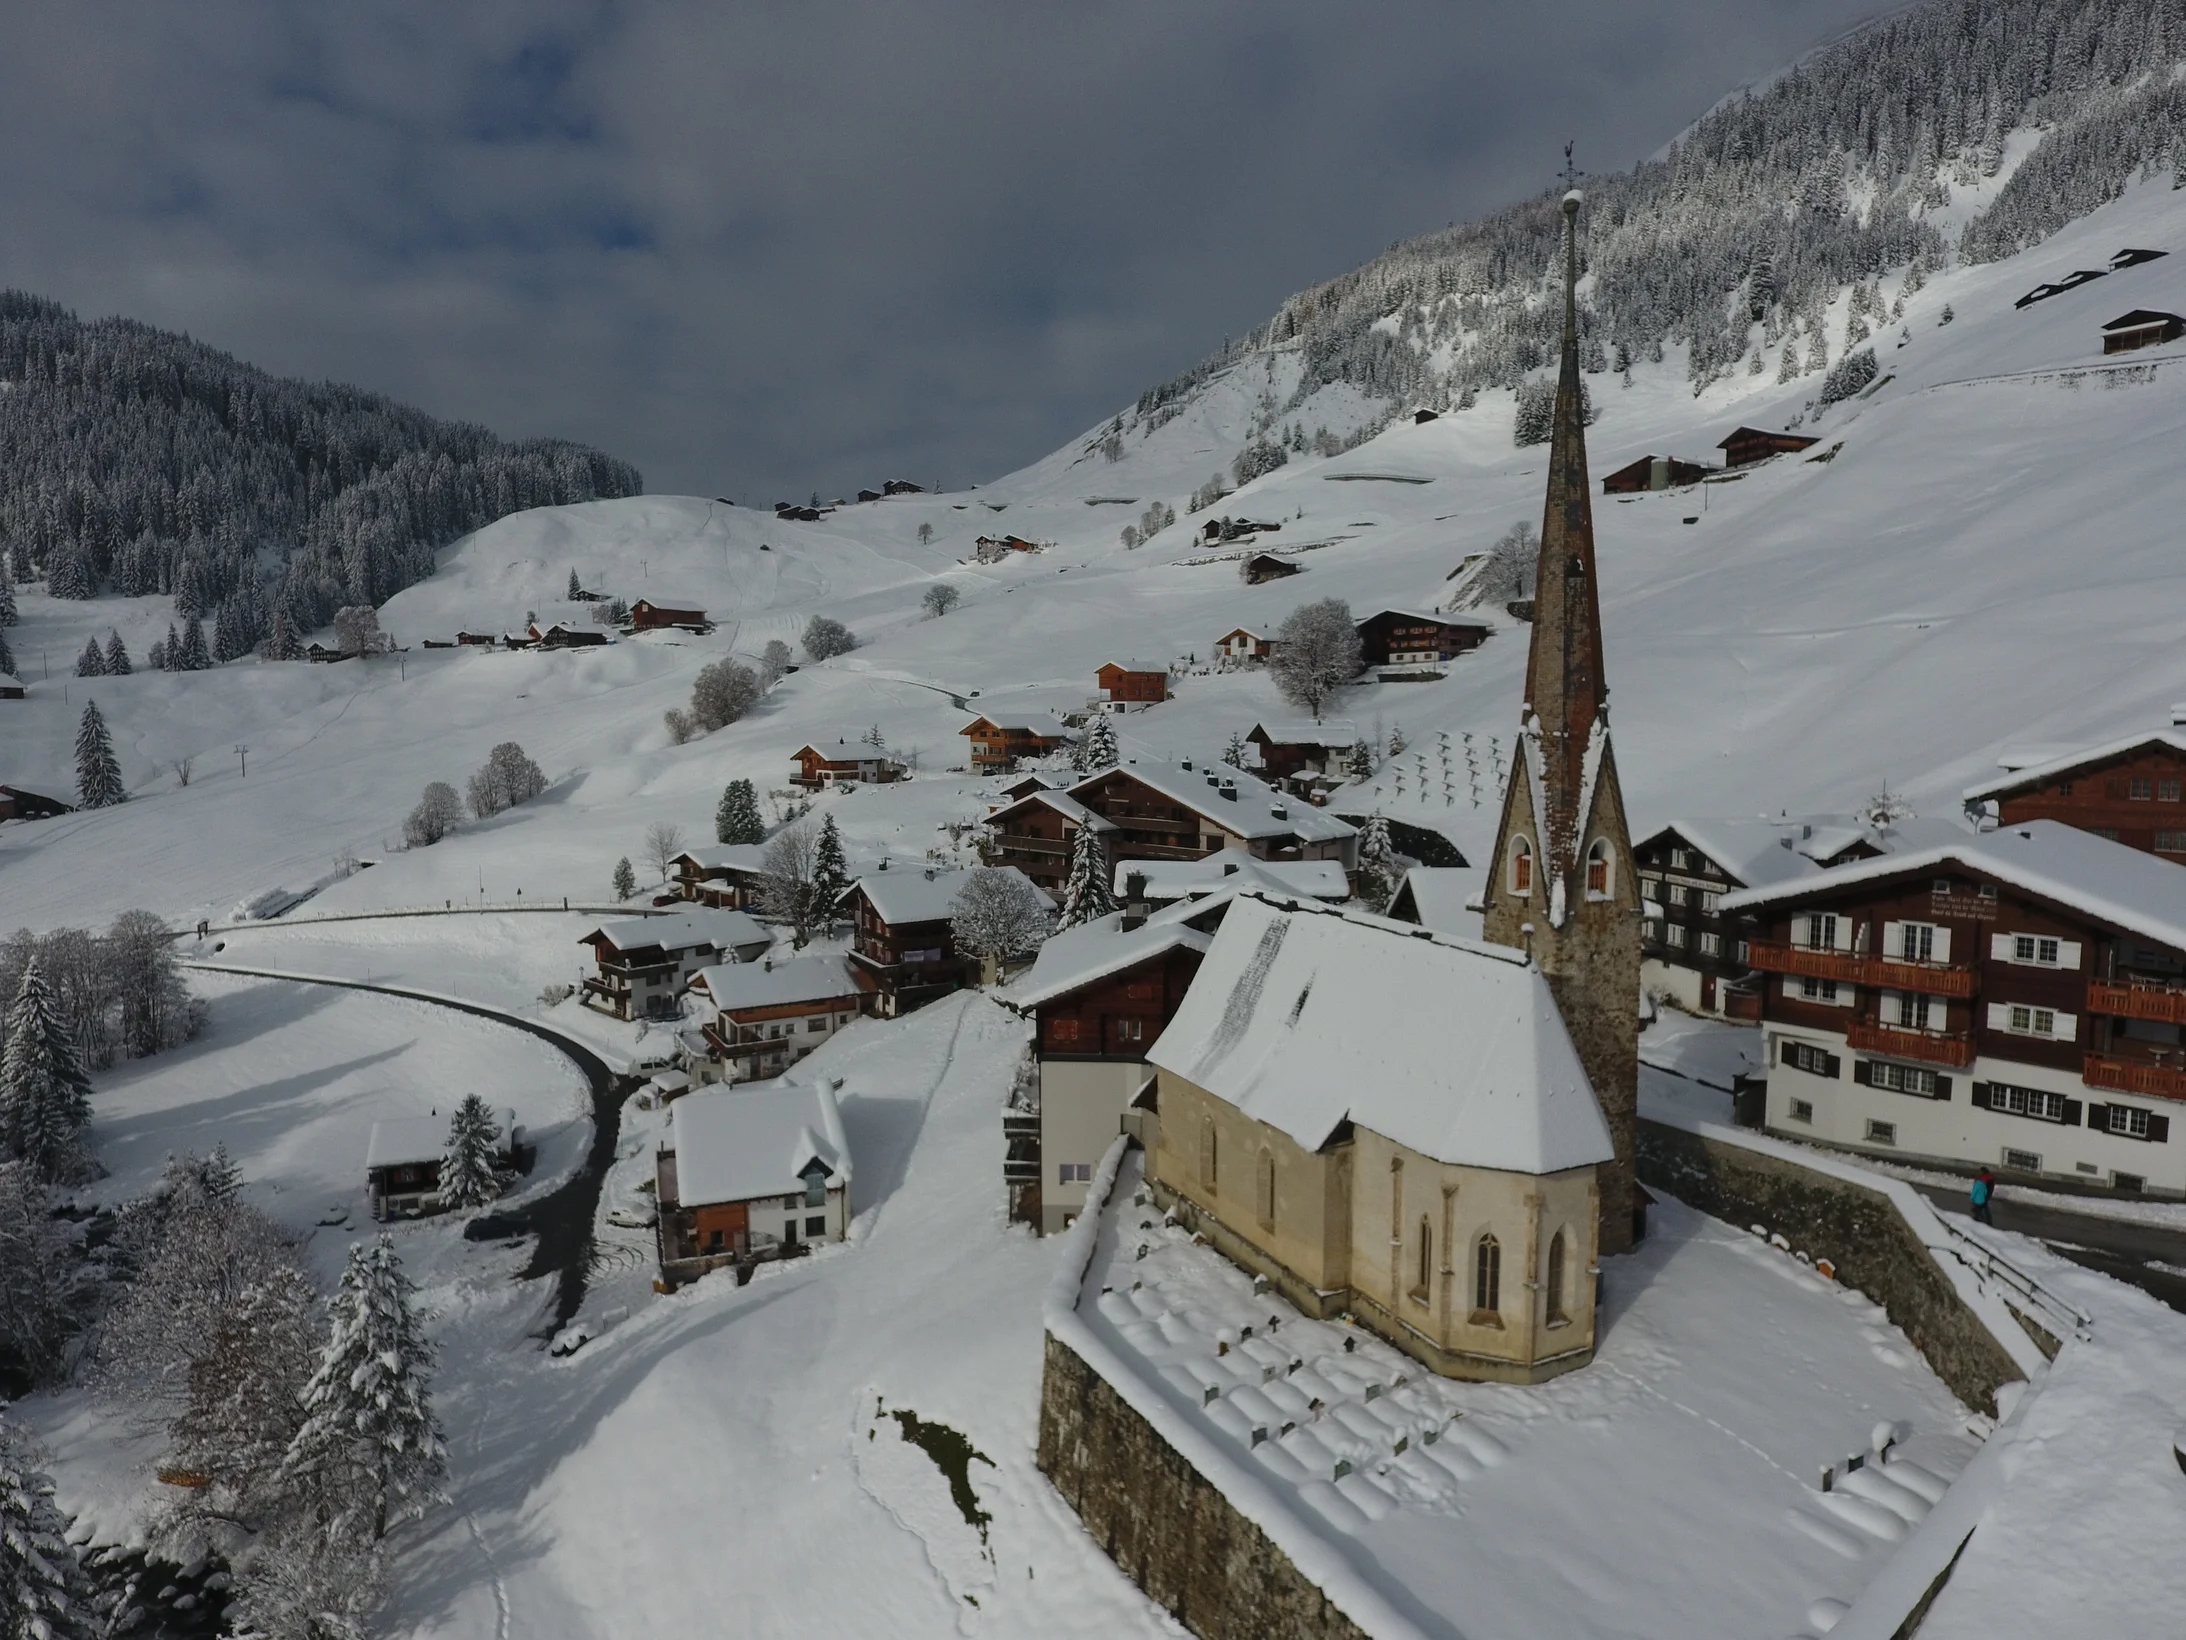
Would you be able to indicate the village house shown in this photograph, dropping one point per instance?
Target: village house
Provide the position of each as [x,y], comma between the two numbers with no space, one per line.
[321,655]
[11,687]
[992,549]
[1037,833]
[18,804]
[1243,644]
[760,1018]
[647,616]
[645,962]
[865,766]
[402,1162]
[1262,567]
[2012,1000]
[998,742]
[1409,637]
[727,876]
[1653,473]
[1443,898]
[1748,445]
[1133,683]
[1100,994]
[561,635]
[748,1174]
[903,953]
[1291,749]
[1229,871]
[2143,327]
[2131,790]
[1448,1199]
[467,639]
[1179,811]
[1026,784]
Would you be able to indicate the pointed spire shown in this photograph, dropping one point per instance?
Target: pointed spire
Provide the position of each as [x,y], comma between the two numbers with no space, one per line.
[1566,695]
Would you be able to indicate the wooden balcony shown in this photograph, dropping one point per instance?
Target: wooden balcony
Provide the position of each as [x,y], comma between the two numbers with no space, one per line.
[1928,1048]
[2126,1076]
[2159,1002]
[1854,968]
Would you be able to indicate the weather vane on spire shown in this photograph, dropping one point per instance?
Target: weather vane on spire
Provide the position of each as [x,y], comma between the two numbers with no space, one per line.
[1571,172]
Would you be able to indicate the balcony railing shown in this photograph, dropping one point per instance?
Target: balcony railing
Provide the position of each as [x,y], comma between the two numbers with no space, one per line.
[1929,1048]
[2159,1002]
[1856,968]
[2160,1081]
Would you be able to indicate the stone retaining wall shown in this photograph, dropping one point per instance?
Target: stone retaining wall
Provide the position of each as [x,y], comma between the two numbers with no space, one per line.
[1860,1232]
[1163,1524]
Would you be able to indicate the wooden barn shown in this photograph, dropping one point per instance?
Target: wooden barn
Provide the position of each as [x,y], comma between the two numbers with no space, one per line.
[2143,327]
[1268,566]
[1653,473]
[1748,445]
[998,742]
[1408,637]
[647,616]
[1133,681]
[865,767]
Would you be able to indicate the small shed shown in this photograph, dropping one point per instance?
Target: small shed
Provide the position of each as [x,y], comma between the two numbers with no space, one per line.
[11,687]
[647,616]
[2143,327]
[1653,473]
[1268,566]
[402,1161]
[18,804]
[1747,445]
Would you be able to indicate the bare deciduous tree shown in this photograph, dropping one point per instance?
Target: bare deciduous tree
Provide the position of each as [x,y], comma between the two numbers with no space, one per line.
[663,842]
[941,598]
[1316,653]
[357,631]
[436,814]
[790,894]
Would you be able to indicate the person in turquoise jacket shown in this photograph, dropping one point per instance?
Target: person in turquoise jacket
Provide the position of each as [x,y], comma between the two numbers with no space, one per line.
[1984,1191]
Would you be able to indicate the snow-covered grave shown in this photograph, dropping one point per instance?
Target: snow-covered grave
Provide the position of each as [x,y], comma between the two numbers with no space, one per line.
[1672,1488]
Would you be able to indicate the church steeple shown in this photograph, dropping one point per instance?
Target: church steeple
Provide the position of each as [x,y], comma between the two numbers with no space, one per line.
[1561,884]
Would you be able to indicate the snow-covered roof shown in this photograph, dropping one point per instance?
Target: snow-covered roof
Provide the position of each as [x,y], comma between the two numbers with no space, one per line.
[683,931]
[1444,895]
[1258,810]
[2122,886]
[917,895]
[1234,869]
[2038,773]
[765,985]
[407,1141]
[756,1140]
[1139,666]
[1305,732]
[1427,615]
[1756,853]
[8,680]
[1045,724]
[726,857]
[1063,804]
[1302,1017]
[1093,950]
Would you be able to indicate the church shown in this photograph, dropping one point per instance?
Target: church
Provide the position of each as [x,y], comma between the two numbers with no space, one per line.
[1431,1135]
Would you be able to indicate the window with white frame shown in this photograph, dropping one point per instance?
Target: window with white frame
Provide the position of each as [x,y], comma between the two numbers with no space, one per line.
[1820,931]
[1677,894]
[1711,945]
[1743,952]
[1817,990]
[1913,1010]
[1674,935]
[1802,1110]
[2030,1021]
[1708,902]
[2037,1103]
[2034,948]
[2129,1120]
[1916,942]
[1679,859]
[1912,1079]
[1805,1056]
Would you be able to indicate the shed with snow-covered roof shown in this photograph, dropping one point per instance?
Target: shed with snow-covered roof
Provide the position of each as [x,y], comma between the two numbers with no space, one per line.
[751,1173]
[1438,1180]
[402,1161]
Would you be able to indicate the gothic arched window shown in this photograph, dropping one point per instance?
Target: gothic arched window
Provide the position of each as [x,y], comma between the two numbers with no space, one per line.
[1521,866]
[1487,1278]
[1267,1187]
[1599,884]
[1423,1254]
[1556,1306]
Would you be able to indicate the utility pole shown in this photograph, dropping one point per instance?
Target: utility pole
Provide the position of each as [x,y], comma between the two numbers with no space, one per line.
[243,752]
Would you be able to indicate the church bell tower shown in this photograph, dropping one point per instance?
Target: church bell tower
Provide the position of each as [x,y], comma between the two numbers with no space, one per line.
[1561,883]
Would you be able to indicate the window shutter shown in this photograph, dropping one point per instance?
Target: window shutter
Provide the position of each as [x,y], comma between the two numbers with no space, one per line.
[1862,1073]
[1844,933]
[2098,1118]
[2066,1028]
[1943,1087]
[1832,1066]
[2068,954]
[1999,1016]
[2072,1113]
[1979,1096]
[2159,1129]
[1942,952]
[1893,940]
[2000,948]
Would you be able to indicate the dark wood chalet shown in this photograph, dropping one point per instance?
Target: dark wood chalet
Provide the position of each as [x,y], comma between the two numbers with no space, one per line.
[1179,811]
[1407,637]
[1290,750]
[1037,833]
[2132,791]
[2143,327]
[843,766]
[903,954]
[1133,681]
[1747,445]
[2014,1000]
[1653,473]
[998,742]
[18,804]
[647,616]
[1261,567]
[727,876]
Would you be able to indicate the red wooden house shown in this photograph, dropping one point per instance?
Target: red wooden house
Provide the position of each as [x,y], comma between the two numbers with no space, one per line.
[1133,681]
[1747,445]
[867,766]
[998,742]
[1410,637]
[2132,791]
[647,616]
[1653,473]
[1038,832]
[1175,811]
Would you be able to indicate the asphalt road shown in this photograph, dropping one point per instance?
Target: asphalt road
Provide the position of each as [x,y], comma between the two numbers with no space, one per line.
[2117,1247]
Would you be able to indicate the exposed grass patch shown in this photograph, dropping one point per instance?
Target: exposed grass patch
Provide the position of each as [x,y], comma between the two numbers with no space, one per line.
[953,1455]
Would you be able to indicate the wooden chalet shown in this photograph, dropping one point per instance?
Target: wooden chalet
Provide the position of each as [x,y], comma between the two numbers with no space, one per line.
[18,804]
[902,952]
[402,1162]
[1748,445]
[475,640]
[1297,748]
[842,766]
[1133,682]
[2013,1000]
[561,635]
[1038,832]
[11,687]
[726,876]
[748,1175]
[1179,811]
[1262,567]
[998,742]
[760,1018]
[1100,994]
[2143,327]
[647,616]
[2132,791]
[645,962]
[322,655]
[993,549]
[1410,637]
[1243,644]
[1653,473]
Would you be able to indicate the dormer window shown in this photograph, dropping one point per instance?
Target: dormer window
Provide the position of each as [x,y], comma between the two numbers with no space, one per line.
[1521,867]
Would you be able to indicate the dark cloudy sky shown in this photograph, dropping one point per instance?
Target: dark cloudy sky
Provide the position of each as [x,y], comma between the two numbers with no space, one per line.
[765,246]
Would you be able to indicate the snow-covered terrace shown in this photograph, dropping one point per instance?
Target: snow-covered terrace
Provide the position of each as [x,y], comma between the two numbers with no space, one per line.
[1670,1489]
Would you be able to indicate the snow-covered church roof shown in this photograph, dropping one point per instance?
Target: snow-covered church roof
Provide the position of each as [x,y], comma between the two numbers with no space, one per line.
[1302,1017]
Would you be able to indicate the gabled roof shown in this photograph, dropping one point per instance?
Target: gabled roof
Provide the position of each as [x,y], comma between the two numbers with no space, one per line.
[1135,666]
[1305,732]
[844,754]
[1442,897]
[1754,853]
[408,1141]
[1092,951]
[750,857]
[1425,615]
[2140,318]
[730,986]
[1229,868]
[1062,803]
[1251,814]
[1044,724]
[681,931]
[2041,773]
[916,895]
[1303,1018]
[1793,440]
[1244,632]
[2107,881]
[756,1140]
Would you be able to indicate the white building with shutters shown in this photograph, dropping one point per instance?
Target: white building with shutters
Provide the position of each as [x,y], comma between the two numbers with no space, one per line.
[2012,1000]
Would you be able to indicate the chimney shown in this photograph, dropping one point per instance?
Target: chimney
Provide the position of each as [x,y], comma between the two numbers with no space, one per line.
[2178,715]
[1134,900]
[1185,763]
[1229,790]
[1279,811]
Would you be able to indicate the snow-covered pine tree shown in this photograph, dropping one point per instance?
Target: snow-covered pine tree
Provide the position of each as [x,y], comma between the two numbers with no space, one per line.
[1233,751]
[626,879]
[1378,869]
[736,819]
[117,655]
[830,871]
[245,1394]
[282,645]
[170,652]
[369,1450]
[9,614]
[1088,892]
[1097,746]
[98,772]
[1360,763]
[7,655]
[45,1097]
[91,663]
[576,588]
[195,656]
[470,1174]
[42,1589]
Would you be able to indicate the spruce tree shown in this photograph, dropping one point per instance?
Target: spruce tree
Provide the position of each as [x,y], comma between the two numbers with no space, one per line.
[830,870]
[243,1408]
[98,774]
[282,645]
[9,615]
[469,1170]
[1088,893]
[576,588]
[736,819]
[370,1449]
[1097,747]
[170,652]
[117,655]
[45,1097]
[91,664]
[1379,871]
[626,880]
[43,1595]
[7,655]
[195,656]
